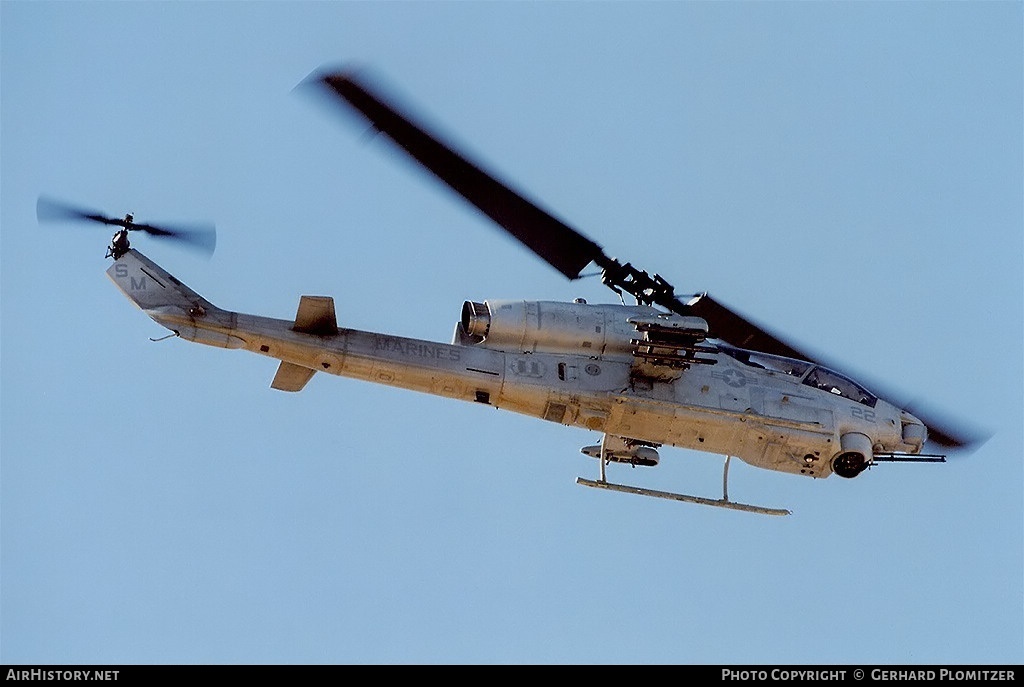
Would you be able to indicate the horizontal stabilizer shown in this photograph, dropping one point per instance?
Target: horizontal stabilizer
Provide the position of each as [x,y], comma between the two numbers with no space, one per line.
[291,377]
[316,316]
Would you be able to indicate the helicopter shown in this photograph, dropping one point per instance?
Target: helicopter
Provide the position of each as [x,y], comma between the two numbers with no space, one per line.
[664,371]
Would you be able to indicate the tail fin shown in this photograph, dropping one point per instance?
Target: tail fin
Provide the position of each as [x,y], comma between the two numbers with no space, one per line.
[172,304]
[150,287]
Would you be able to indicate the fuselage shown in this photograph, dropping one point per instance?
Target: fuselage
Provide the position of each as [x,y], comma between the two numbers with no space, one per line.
[771,412]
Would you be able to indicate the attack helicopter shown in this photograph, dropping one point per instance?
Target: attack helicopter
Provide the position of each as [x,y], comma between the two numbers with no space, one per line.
[663,371]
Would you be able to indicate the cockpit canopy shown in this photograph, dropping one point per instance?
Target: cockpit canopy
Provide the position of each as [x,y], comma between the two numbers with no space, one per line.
[808,373]
[833,382]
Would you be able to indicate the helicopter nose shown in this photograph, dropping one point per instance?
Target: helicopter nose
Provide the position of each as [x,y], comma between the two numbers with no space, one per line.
[914,433]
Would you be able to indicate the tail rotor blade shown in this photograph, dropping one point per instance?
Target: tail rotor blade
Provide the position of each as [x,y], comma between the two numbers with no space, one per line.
[52,210]
[200,237]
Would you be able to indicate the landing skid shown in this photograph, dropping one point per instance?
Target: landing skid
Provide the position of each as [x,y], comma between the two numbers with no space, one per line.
[724,502]
[718,503]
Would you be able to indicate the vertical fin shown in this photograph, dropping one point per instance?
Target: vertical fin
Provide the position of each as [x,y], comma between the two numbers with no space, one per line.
[316,316]
[151,287]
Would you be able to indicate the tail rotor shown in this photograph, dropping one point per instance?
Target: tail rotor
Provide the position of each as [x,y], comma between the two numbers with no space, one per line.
[198,237]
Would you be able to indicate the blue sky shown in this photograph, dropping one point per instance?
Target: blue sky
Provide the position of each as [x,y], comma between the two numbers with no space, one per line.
[848,173]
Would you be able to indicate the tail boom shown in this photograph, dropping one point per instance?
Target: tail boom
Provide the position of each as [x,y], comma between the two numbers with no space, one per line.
[312,342]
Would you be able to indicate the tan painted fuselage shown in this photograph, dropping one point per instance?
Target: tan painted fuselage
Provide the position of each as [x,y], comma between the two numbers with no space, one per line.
[768,418]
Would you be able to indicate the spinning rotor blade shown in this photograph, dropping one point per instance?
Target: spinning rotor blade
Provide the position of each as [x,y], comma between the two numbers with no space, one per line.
[201,237]
[948,434]
[561,246]
[729,326]
[50,210]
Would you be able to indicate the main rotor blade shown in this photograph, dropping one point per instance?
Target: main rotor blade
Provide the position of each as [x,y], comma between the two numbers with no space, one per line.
[945,432]
[728,325]
[560,245]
